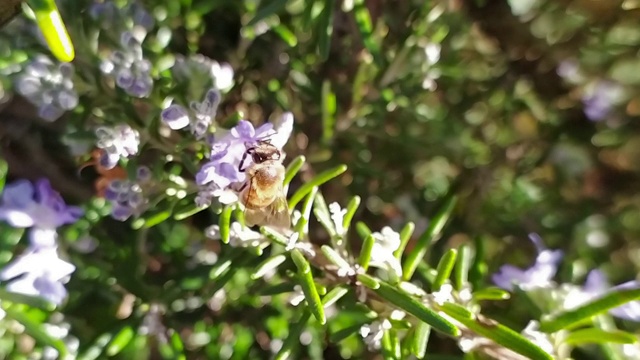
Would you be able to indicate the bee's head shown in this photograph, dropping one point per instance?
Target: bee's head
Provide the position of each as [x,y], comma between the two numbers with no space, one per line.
[264,151]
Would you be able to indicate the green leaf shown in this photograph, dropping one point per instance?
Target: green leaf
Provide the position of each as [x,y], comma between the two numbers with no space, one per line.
[342,334]
[607,302]
[334,257]
[266,9]
[445,266]
[293,338]
[308,286]
[411,305]
[274,236]
[463,264]
[285,34]
[34,329]
[268,265]
[120,341]
[390,345]
[495,331]
[365,26]
[405,236]
[224,222]
[96,349]
[188,211]
[369,281]
[305,212]
[32,301]
[491,293]
[325,29]
[328,112]
[365,252]
[352,207]
[420,339]
[433,232]
[363,230]
[318,180]
[293,168]
[596,336]
[334,295]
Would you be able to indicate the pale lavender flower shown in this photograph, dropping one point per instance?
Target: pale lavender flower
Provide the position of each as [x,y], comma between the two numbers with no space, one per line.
[126,197]
[199,118]
[49,86]
[129,17]
[131,71]
[231,147]
[601,99]
[386,242]
[25,205]
[38,272]
[539,275]
[118,142]
[595,286]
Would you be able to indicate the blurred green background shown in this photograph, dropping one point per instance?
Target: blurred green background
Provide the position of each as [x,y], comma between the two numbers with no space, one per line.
[526,109]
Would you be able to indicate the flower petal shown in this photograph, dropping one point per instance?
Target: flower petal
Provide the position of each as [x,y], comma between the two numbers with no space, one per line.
[175,116]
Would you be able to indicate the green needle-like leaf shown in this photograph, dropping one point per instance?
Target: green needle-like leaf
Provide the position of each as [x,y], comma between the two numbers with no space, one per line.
[120,341]
[32,301]
[53,29]
[607,302]
[224,222]
[308,286]
[316,181]
[491,293]
[266,9]
[432,233]
[363,230]
[411,305]
[35,329]
[268,265]
[445,266]
[405,236]
[463,264]
[365,252]
[328,112]
[301,226]
[597,336]
[325,29]
[334,295]
[495,331]
[369,281]
[391,345]
[293,168]
[420,340]
[364,23]
[274,236]
[352,207]
[293,338]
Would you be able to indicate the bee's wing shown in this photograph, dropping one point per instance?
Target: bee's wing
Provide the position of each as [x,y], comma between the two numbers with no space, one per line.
[275,215]
[278,213]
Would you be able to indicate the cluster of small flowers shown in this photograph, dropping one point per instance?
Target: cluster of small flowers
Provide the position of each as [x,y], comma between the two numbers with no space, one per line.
[130,70]
[202,72]
[49,86]
[118,142]
[199,119]
[39,270]
[132,16]
[126,196]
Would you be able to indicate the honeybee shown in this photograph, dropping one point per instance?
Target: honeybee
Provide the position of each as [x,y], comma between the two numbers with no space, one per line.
[262,193]
[105,176]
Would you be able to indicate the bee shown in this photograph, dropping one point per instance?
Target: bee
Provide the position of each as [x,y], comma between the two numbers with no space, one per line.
[105,176]
[262,193]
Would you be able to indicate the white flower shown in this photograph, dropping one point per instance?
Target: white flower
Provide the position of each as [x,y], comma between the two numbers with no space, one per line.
[337,217]
[386,242]
[539,338]
[372,333]
[239,236]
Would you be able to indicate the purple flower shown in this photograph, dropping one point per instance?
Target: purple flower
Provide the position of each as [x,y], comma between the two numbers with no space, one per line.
[538,275]
[127,197]
[39,272]
[221,172]
[199,118]
[119,142]
[131,71]
[24,205]
[597,285]
[600,101]
[48,86]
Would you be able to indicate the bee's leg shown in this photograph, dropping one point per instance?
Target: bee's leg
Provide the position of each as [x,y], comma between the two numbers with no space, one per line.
[241,167]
